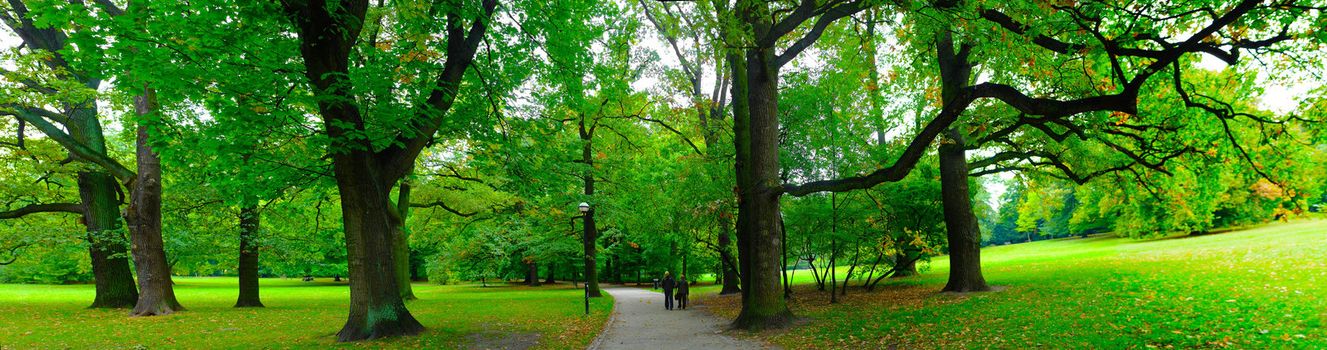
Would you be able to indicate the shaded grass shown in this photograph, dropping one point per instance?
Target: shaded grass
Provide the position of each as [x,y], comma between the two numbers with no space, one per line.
[1256,288]
[298,315]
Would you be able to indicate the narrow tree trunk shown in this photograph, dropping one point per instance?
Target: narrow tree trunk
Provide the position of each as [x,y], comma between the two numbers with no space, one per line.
[401,242]
[590,235]
[820,282]
[963,232]
[156,291]
[833,246]
[608,268]
[905,264]
[871,272]
[783,266]
[833,280]
[617,268]
[730,280]
[249,225]
[684,264]
[857,253]
[756,137]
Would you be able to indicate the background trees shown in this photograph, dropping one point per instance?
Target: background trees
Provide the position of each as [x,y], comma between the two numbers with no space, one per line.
[461,135]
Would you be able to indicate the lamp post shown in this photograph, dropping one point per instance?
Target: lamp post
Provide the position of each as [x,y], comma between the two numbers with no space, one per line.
[585,210]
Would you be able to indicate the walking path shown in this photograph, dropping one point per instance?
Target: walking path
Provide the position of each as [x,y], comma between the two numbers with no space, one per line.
[640,321]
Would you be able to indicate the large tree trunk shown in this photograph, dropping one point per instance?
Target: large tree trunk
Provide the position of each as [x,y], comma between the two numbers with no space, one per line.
[365,176]
[532,274]
[110,259]
[376,307]
[249,225]
[99,193]
[552,267]
[964,234]
[960,223]
[401,242]
[757,166]
[156,291]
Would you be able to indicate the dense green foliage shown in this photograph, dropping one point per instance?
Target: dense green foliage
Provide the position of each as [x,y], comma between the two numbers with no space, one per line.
[452,141]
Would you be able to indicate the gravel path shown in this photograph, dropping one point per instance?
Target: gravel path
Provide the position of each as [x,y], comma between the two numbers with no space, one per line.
[640,321]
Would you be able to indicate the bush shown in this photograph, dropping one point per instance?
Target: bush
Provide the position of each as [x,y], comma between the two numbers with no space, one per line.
[439,272]
[44,264]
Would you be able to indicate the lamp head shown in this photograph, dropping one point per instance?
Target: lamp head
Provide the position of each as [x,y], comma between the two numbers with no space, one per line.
[584,207]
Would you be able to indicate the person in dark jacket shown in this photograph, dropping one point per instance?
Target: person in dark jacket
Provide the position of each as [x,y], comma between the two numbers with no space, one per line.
[668,285]
[682,290]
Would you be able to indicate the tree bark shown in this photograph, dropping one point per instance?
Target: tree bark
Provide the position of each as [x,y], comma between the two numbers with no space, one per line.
[249,225]
[551,269]
[532,274]
[377,309]
[365,176]
[960,223]
[610,270]
[617,268]
[156,291]
[590,235]
[109,252]
[107,246]
[401,242]
[832,271]
[98,190]
[757,166]
[730,275]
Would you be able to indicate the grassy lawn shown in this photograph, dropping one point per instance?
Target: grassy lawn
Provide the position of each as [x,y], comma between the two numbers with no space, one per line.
[1264,287]
[298,315]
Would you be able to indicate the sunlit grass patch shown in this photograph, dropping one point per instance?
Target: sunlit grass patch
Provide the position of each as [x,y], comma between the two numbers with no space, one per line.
[1255,288]
[298,315]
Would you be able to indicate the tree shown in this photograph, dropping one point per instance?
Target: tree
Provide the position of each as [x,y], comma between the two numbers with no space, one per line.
[679,30]
[49,56]
[365,169]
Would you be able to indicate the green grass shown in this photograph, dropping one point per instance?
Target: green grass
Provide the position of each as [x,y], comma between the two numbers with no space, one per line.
[298,315]
[1264,287]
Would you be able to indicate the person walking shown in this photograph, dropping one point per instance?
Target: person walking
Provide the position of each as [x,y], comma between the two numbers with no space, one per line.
[668,285]
[682,290]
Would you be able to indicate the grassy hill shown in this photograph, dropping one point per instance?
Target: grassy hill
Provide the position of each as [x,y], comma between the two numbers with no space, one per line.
[1264,287]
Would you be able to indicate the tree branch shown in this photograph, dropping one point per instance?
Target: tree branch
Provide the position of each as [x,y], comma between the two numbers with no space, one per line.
[42,208]
[443,205]
[83,152]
